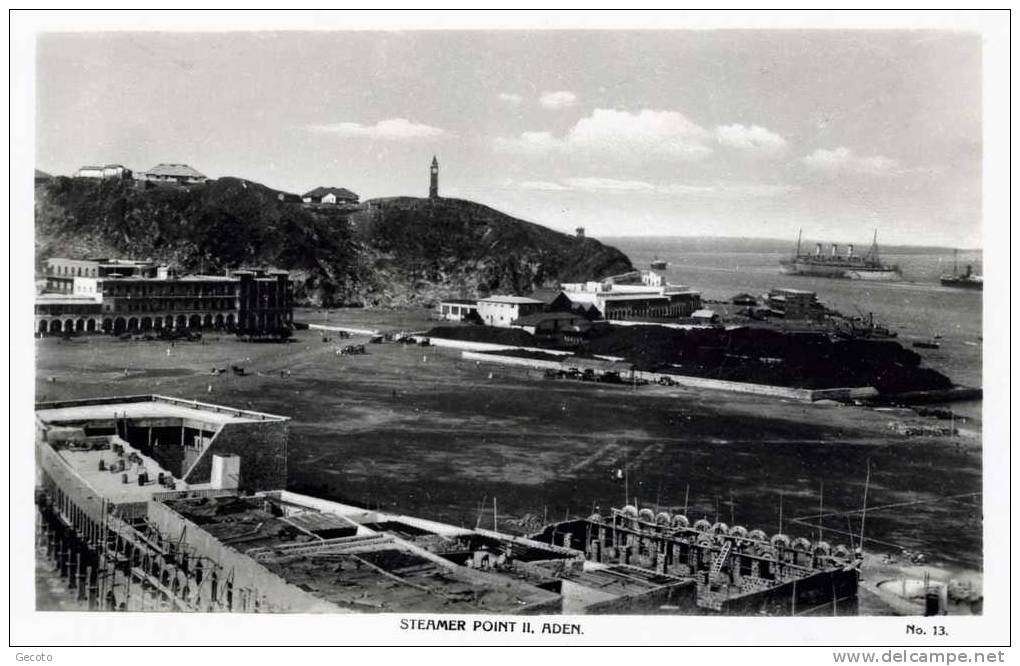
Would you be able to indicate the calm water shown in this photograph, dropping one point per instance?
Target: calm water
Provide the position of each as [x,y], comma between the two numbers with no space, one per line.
[917,307]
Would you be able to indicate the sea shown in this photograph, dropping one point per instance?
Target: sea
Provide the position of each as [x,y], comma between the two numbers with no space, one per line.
[918,307]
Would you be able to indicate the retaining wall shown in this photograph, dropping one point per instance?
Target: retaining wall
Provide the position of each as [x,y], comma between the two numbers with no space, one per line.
[346,329]
[686,381]
[511,360]
[484,346]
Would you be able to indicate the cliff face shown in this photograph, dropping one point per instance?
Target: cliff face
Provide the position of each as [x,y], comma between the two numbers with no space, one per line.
[394,252]
[420,250]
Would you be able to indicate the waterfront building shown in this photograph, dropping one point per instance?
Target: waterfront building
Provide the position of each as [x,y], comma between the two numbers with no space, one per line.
[794,304]
[631,296]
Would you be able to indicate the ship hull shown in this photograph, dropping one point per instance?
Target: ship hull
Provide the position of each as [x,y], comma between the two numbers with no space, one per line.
[962,284]
[840,272]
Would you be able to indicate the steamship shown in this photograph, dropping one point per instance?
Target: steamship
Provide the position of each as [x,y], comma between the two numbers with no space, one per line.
[834,264]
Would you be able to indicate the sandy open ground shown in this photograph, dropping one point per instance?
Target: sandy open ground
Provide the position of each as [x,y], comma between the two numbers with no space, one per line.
[419,430]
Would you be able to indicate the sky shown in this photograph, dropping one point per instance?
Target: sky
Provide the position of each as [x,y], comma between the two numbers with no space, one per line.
[756,133]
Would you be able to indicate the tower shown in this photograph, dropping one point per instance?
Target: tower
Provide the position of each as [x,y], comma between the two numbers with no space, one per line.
[434,179]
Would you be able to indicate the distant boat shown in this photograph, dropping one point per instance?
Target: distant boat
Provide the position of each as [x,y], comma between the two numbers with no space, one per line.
[661,264]
[926,344]
[967,280]
[847,266]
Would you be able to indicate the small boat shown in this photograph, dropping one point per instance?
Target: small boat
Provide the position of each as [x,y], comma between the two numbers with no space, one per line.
[926,344]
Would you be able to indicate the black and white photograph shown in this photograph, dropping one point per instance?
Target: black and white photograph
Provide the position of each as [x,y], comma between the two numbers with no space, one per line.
[518,334]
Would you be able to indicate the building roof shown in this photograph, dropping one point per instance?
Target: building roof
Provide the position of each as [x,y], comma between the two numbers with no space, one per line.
[801,292]
[633,297]
[144,406]
[174,171]
[338,192]
[108,484]
[699,314]
[518,300]
[460,301]
[538,317]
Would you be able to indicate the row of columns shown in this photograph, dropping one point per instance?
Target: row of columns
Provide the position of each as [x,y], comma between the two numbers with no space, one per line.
[116,325]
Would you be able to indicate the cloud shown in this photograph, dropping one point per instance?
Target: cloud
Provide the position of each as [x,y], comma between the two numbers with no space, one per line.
[589,184]
[843,160]
[510,98]
[559,99]
[392,129]
[594,185]
[618,134]
[529,143]
[541,185]
[754,139]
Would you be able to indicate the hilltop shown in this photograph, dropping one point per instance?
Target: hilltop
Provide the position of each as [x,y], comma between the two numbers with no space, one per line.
[399,251]
[425,248]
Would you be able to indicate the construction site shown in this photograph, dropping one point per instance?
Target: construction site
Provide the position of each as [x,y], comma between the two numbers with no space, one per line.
[128,520]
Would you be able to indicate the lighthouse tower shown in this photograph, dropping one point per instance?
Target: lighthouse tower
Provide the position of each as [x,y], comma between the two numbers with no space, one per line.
[434,179]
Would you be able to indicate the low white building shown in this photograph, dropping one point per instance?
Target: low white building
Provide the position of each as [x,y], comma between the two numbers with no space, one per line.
[457,309]
[105,172]
[502,311]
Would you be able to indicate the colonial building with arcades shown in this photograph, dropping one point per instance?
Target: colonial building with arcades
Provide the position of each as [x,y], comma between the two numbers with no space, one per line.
[254,303]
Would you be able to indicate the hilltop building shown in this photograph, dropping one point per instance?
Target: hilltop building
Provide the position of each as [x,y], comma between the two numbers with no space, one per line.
[330,196]
[105,172]
[434,179]
[180,174]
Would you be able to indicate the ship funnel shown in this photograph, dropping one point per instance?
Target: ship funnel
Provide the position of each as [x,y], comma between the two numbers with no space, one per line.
[818,249]
[835,249]
[850,250]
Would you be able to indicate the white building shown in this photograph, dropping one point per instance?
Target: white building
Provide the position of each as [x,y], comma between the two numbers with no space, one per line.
[105,172]
[633,295]
[502,311]
[456,309]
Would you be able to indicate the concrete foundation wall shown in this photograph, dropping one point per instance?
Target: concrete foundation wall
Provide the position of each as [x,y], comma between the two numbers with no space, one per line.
[241,570]
[346,329]
[511,360]
[484,346]
[262,447]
